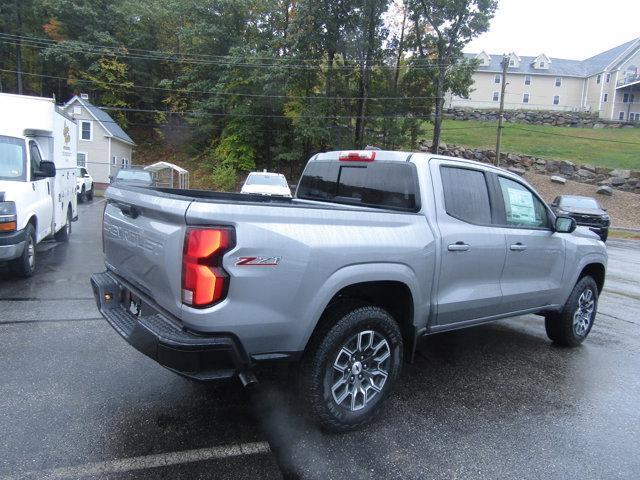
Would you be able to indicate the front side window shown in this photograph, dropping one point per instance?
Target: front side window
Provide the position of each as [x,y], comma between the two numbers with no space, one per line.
[86,133]
[466,196]
[12,158]
[522,207]
[36,158]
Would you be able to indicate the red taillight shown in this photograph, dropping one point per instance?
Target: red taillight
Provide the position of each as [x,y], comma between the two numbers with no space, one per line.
[204,282]
[366,156]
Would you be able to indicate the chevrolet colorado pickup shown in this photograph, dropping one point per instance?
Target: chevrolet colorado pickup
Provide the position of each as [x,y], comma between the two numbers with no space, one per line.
[375,250]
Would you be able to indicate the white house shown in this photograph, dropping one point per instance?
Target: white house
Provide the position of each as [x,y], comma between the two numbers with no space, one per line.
[103,147]
[607,83]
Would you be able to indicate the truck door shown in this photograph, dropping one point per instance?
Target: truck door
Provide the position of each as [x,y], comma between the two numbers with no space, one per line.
[534,266]
[472,249]
[40,199]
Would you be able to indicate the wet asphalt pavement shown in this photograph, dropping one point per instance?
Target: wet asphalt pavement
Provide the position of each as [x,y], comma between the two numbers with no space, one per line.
[497,401]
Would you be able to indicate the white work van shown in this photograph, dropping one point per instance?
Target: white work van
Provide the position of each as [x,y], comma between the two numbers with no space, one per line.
[38,156]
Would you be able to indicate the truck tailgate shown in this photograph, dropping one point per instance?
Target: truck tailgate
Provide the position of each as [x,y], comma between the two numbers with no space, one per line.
[142,232]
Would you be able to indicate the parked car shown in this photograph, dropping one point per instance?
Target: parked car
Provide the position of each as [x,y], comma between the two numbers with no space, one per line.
[586,211]
[84,185]
[135,176]
[266,183]
[376,250]
[38,144]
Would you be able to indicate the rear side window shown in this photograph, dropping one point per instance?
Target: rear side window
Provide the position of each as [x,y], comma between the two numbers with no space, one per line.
[390,185]
[466,196]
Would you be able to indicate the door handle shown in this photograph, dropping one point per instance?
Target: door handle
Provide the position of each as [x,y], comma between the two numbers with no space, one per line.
[459,247]
[518,247]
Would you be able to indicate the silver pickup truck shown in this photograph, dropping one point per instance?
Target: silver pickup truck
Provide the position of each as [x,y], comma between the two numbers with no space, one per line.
[375,250]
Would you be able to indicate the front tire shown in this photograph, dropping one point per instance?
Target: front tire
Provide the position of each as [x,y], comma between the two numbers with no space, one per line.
[25,265]
[572,325]
[351,366]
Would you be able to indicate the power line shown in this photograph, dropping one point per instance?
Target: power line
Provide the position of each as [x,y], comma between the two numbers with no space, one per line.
[205,92]
[49,41]
[574,136]
[231,62]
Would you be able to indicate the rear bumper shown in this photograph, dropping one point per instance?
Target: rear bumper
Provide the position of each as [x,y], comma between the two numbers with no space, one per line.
[11,245]
[160,337]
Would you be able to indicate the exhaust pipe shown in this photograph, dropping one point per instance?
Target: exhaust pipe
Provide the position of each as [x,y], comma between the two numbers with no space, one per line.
[248,378]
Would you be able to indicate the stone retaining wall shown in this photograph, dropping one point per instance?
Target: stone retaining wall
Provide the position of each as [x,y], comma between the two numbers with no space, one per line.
[539,117]
[626,180]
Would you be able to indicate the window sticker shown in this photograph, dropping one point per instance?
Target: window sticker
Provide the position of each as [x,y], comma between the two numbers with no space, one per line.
[522,209]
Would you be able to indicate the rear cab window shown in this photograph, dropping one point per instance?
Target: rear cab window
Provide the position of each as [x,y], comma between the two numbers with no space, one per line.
[379,184]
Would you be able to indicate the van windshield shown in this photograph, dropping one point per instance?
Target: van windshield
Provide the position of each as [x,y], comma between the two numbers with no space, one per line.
[12,159]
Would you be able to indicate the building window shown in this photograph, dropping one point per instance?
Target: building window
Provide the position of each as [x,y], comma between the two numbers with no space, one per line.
[625,98]
[606,97]
[512,63]
[556,100]
[525,98]
[498,78]
[87,131]
[125,162]
[527,80]
[598,78]
[558,81]
[608,77]
[496,96]
[621,116]
[634,117]
[77,111]
[114,160]
[82,159]
[541,64]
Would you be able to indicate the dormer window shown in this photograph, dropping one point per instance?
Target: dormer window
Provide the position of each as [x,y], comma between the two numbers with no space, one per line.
[484,59]
[514,60]
[541,62]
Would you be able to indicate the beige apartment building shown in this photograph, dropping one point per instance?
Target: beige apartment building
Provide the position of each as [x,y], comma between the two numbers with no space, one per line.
[607,83]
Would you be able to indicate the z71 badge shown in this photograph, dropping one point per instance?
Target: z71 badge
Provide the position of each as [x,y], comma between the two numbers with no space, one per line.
[258,261]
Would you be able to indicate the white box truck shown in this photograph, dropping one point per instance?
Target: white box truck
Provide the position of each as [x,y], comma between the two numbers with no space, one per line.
[38,156]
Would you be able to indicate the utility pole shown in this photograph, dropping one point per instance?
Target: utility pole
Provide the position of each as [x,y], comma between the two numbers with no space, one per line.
[505,65]
[18,48]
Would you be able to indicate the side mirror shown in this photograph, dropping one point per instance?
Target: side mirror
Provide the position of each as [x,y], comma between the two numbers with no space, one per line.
[565,224]
[47,170]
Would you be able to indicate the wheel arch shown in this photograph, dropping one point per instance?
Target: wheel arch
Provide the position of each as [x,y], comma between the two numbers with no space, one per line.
[595,270]
[396,291]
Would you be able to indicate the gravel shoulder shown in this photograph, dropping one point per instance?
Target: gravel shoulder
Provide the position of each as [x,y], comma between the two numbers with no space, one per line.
[624,207]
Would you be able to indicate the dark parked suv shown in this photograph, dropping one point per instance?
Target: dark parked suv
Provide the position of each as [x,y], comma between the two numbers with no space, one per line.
[585,211]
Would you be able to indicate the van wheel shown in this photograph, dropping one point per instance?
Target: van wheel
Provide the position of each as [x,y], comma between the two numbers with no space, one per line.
[64,233]
[572,325]
[350,367]
[25,265]
[82,196]
[90,194]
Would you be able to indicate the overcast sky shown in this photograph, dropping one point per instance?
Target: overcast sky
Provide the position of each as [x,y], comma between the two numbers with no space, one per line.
[573,29]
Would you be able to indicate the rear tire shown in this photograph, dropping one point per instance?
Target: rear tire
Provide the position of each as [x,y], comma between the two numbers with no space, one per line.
[351,366]
[90,194]
[64,233]
[25,265]
[572,325]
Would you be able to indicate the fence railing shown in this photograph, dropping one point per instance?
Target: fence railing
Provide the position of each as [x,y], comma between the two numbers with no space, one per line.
[628,79]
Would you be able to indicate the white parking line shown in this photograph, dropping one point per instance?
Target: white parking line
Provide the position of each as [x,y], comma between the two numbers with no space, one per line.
[124,465]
